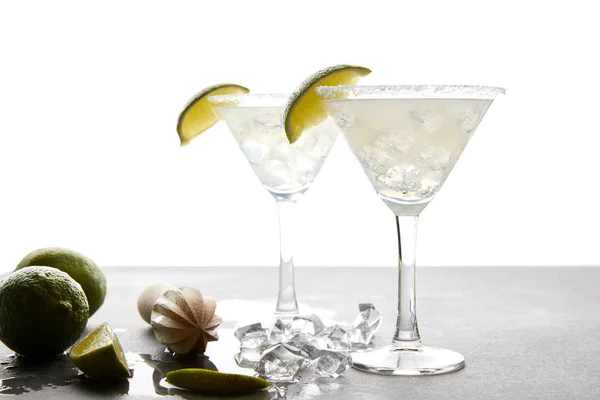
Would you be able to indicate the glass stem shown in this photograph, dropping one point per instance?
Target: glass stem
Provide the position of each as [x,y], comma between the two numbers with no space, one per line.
[286,300]
[407,331]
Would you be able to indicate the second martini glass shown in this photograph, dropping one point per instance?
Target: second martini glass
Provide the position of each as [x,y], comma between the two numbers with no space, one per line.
[285,170]
[407,139]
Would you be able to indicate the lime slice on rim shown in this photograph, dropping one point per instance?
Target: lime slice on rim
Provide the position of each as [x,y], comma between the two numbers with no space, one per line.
[214,382]
[305,109]
[100,355]
[198,114]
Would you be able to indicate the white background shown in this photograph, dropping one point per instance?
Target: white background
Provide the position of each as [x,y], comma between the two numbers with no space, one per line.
[89,156]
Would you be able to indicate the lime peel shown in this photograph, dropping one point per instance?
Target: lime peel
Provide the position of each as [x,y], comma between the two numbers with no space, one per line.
[214,382]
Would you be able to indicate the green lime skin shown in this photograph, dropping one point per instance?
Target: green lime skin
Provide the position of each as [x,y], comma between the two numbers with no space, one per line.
[79,267]
[43,311]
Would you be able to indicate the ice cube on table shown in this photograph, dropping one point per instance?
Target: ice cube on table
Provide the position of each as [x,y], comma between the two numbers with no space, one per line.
[244,330]
[336,338]
[365,326]
[304,343]
[308,325]
[279,363]
[279,331]
[368,315]
[248,357]
[333,363]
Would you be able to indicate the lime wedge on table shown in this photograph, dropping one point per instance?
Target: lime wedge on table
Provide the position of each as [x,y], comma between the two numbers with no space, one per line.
[198,114]
[305,109]
[213,382]
[100,355]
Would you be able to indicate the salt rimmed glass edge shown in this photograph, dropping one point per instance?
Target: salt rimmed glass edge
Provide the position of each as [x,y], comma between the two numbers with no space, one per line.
[249,100]
[408,91]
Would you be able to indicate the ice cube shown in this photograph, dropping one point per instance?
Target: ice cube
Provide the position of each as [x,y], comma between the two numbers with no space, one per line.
[324,142]
[343,119]
[254,150]
[254,340]
[403,178]
[281,151]
[275,173]
[435,158]
[279,364]
[332,364]
[301,163]
[469,121]
[269,123]
[308,325]
[365,326]
[278,392]
[429,119]
[305,344]
[429,188]
[338,340]
[252,328]
[279,331]
[247,357]
[395,143]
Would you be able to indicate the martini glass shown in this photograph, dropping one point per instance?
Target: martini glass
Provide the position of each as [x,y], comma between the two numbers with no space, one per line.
[285,170]
[407,139]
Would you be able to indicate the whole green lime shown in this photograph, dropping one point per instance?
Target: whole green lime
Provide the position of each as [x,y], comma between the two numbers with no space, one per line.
[78,266]
[43,311]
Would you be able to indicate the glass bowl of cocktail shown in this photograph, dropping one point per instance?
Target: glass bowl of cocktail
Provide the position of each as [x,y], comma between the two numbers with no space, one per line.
[407,140]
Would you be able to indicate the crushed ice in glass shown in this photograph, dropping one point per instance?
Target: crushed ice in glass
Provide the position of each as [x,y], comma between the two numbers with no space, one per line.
[469,121]
[430,119]
[254,150]
[435,158]
[429,188]
[268,123]
[403,178]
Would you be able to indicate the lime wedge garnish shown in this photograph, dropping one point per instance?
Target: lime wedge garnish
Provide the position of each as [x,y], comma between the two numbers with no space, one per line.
[304,108]
[198,114]
[214,382]
[100,355]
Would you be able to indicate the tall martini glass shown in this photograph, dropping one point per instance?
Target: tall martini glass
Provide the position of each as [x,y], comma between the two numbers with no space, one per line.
[285,170]
[407,139]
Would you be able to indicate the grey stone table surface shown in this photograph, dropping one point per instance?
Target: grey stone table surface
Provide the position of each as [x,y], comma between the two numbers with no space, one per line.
[526,333]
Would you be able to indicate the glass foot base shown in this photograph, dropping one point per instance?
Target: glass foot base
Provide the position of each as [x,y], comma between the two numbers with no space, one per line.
[397,361]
